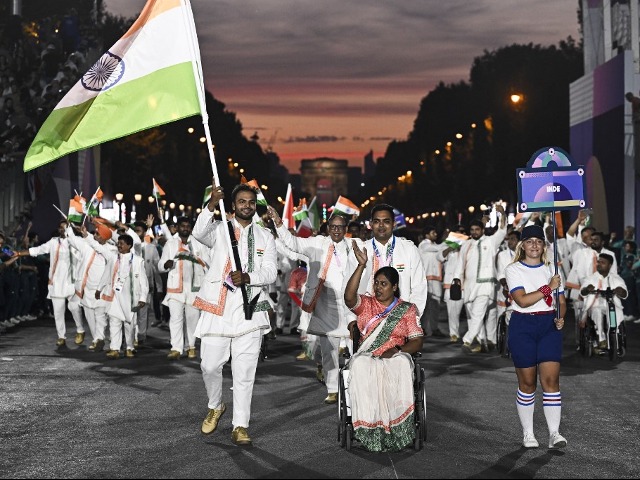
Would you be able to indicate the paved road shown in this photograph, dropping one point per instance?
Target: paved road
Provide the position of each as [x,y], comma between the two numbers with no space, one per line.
[72,413]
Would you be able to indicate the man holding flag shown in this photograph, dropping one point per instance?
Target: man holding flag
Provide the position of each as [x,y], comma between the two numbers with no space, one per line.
[234,306]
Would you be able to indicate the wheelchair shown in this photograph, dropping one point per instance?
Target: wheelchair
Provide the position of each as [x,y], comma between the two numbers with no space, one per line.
[345,424]
[616,336]
[503,335]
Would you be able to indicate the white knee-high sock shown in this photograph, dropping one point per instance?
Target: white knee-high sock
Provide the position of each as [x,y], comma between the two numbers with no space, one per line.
[552,405]
[525,403]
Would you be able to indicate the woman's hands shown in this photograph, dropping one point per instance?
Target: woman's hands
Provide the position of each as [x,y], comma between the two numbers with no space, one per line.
[555,282]
[361,255]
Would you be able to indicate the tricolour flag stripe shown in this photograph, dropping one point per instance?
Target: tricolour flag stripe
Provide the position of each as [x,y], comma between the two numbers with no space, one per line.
[146,79]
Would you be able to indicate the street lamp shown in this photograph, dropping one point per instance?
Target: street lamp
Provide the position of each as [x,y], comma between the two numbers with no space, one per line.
[472,209]
[119,197]
[516,98]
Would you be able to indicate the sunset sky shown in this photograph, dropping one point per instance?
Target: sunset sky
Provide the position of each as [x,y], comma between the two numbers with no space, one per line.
[338,78]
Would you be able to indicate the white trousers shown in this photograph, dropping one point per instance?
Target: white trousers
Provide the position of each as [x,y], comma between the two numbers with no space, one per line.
[97,321]
[179,312]
[142,325]
[59,310]
[454,309]
[600,317]
[329,348]
[476,310]
[115,327]
[281,308]
[244,352]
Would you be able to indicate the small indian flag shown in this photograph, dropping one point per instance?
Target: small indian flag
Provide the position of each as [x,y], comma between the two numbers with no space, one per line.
[346,206]
[455,240]
[260,200]
[146,79]
[75,211]
[301,212]
[157,191]
[207,196]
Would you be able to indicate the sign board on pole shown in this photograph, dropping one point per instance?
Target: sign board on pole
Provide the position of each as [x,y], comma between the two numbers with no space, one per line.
[551,182]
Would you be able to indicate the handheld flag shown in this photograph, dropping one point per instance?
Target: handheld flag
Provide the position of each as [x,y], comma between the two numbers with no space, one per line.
[301,212]
[346,207]
[287,213]
[146,79]
[157,191]
[260,200]
[455,240]
[75,210]
[314,215]
[207,196]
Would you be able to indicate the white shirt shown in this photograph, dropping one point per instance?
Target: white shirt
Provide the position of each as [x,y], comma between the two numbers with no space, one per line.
[529,278]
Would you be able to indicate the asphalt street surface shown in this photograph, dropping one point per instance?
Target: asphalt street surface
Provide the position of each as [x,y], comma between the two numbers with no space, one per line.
[71,413]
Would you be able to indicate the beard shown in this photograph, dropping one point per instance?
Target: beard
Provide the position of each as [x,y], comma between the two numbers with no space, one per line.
[244,216]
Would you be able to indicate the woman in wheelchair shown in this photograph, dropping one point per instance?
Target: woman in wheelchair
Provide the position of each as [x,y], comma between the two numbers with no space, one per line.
[595,303]
[381,372]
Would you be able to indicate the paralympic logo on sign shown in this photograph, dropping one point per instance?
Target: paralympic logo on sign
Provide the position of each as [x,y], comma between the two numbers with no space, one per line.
[551,182]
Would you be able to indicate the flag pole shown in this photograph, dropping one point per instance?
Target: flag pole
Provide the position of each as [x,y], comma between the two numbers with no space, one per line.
[61,212]
[199,78]
[90,201]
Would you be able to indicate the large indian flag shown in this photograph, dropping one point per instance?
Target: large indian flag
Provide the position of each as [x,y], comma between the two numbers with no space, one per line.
[146,79]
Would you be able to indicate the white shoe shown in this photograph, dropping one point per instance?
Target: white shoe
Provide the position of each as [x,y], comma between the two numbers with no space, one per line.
[530,441]
[557,441]
[636,320]
[7,324]
[14,320]
[31,317]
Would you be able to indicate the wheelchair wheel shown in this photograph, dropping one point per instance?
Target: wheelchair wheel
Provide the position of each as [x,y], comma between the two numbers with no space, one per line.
[588,342]
[613,345]
[342,412]
[348,436]
[622,341]
[501,344]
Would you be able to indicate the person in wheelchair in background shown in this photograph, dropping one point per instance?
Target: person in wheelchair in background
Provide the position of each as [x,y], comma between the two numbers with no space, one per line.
[596,307]
[381,371]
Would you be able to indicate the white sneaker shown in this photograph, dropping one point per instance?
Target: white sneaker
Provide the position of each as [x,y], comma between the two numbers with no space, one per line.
[6,324]
[637,320]
[529,441]
[14,320]
[31,317]
[557,441]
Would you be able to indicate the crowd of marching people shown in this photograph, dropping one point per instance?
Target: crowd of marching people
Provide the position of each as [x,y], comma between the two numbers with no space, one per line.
[116,280]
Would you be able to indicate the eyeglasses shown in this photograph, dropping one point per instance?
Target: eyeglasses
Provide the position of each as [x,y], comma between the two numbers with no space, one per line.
[336,228]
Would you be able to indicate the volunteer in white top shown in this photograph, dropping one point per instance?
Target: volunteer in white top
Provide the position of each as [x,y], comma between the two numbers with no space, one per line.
[535,337]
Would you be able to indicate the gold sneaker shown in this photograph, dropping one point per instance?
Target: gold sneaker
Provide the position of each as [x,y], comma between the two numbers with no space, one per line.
[113,354]
[331,399]
[79,338]
[135,344]
[191,353]
[61,342]
[92,347]
[240,436]
[302,356]
[210,422]
[471,349]
[454,339]
[174,355]
[130,353]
